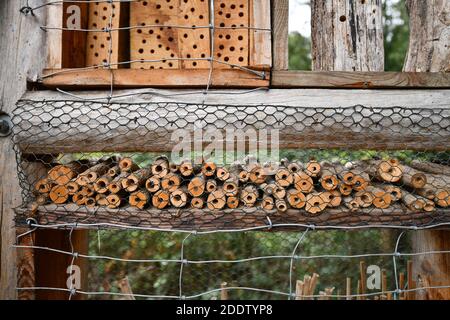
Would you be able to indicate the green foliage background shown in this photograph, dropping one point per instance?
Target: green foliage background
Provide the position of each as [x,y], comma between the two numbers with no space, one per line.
[272,274]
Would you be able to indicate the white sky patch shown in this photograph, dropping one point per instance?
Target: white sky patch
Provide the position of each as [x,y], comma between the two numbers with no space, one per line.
[300,17]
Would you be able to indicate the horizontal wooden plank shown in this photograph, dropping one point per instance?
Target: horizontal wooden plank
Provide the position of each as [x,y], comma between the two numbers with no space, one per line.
[204,220]
[359,80]
[137,78]
[147,122]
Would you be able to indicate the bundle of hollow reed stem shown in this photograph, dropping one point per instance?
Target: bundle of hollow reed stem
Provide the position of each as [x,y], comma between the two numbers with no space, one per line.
[313,186]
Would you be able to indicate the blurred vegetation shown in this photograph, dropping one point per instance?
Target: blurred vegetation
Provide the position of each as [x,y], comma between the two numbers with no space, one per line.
[273,274]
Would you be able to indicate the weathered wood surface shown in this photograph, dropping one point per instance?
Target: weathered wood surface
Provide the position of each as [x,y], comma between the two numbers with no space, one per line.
[23,56]
[26,276]
[85,132]
[429,27]
[260,51]
[137,78]
[205,219]
[280,29]
[347,35]
[359,80]
[429,51]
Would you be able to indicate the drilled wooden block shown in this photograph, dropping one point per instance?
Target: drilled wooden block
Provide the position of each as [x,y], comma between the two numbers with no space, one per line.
[169,47]
[104,47]
[232,46]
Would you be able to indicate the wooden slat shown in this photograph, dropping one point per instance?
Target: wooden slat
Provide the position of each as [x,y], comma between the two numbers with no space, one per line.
[25,265]
[135,78]
[280,29]
[204,219]
[359,80]
[260,40]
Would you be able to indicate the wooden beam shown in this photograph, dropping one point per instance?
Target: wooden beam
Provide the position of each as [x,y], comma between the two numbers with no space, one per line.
[260,40]
[357,125]
[205,219]
[23,55]
[26,277]
[429,51]
[360,80]
[136,78]
[280,31]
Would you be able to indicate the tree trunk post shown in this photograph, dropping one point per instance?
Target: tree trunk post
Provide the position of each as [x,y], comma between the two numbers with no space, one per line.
[429,51]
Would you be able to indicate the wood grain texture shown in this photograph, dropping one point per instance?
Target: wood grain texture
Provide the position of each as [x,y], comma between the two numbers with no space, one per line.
[429,51]
[360,80]
[73,43]
[429,26]
[23,54]
[280,29]
[26,277]
[260,40]
[205,219]
[347,35]
[137,78]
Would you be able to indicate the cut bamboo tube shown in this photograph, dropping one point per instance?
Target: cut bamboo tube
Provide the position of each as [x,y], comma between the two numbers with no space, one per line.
[267,203]
[160,167]
[43,186]
[116,185]
[211,186]
[233,202]
[345,189]
[72,187]
[401,283]
[306,286]
[90,202]
[315,203]
[361,181]
[284,178]
[333,198]
[358,290]
[394,191]
[42,199]
[127,165]
[294,167]
[196,186]
[88,191]
[153,184]
[139,199]
[101,200]
[102,183]
[313,168]
[114,201]
[303,182]
[296,198]
[412,177]
[431,167]
[244,176]
[347,177]
[59,194]
[382,199]
[364,198]
[442,198]
[197,203]
[313,284]
[257,175]
[216,200]
[281,205]
[351,203]
[389,170]
[222,174]
[170,182]
[273,189]
[62,174]
[328,178]
[114,171]
[209,169]
[79,199]
[161,199]
[179,198]
[231,187]
[413,202]
[186,168]
[249,195]
[136,180]
[174,168]
[92,174]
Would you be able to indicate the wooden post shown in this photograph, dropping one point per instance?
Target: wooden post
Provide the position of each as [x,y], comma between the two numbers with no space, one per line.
[280,29]
[429,52]
[347,35]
